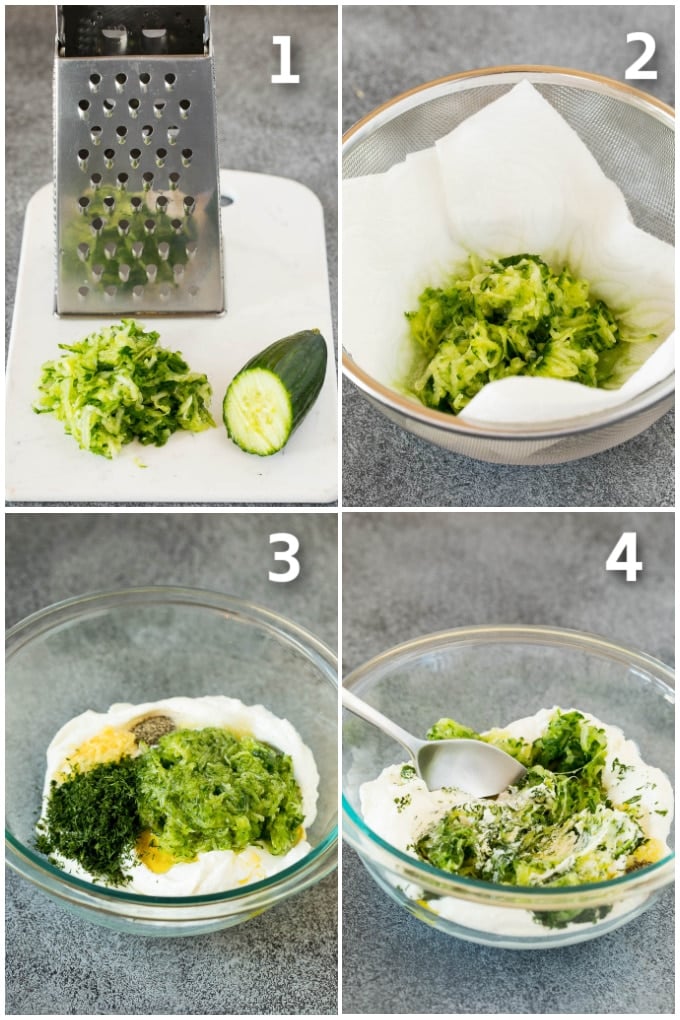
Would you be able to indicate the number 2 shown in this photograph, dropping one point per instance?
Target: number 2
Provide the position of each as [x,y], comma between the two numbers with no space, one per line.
[624,556]
[635,72]
[287,555]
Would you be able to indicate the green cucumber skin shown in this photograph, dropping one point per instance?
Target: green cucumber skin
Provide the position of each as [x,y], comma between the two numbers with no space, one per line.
[299,362]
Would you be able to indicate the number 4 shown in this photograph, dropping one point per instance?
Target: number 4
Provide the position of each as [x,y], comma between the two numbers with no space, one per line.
[624,556]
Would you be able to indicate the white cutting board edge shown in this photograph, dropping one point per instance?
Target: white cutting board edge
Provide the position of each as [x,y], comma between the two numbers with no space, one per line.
[276,282]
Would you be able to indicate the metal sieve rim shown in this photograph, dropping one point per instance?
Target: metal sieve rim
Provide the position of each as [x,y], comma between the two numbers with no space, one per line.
[462,80]
[512,73]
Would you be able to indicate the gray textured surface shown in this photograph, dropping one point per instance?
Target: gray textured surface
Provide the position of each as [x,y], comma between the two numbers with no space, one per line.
[387,50]
[286,130]
[284,961]
[451,570]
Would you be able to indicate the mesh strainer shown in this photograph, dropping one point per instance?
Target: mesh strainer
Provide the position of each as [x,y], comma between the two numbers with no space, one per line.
[630,134]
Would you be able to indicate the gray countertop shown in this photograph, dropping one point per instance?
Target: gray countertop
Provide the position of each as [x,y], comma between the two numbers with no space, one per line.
[448,570]
[390,49]
[284,961]
[289,130]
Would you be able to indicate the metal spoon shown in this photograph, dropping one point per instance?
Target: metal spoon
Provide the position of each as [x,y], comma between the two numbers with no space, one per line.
[473,766]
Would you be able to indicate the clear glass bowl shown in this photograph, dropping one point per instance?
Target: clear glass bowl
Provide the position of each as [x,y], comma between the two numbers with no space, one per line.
[488,676]
[141,645]
[632,136]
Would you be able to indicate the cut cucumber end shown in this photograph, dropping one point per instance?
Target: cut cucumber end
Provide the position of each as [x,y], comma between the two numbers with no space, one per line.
[257,412]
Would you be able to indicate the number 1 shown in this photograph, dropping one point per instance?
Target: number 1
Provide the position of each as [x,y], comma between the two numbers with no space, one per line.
[285,77]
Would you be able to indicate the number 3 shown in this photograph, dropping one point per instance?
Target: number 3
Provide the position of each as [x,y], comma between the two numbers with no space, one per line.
[287,555]
[635,71]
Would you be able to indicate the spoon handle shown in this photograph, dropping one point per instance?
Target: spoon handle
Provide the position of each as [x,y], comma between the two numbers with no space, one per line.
[376,718]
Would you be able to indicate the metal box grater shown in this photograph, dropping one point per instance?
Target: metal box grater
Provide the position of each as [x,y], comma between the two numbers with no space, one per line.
[137,199]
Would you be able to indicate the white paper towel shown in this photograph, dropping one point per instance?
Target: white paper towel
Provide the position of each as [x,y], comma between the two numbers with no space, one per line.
[513,178]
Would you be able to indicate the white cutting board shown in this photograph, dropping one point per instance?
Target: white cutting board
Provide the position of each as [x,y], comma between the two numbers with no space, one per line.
[276,284]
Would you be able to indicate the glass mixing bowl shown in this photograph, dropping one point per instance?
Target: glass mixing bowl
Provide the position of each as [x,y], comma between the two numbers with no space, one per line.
[489,676]
[143,645]
[632,136]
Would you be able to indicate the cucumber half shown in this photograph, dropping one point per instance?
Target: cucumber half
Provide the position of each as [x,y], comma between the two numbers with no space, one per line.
[271,395]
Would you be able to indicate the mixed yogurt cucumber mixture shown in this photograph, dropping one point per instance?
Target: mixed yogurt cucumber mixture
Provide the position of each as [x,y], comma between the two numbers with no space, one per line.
[587,810]
[179,797]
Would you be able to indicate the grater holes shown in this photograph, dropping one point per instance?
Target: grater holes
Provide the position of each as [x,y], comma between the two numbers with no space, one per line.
[178,272]
[149,227]
[163,251]
[133,107]
[151,272]
[189,204]
[121,81]
[97,272]
[138,292]
[121,181]
[110,250]
[124,272]
[184,107]
[83,156]
[165,291]
[83,204]
[162,204]
[108,106]
[83,251]
[173,180]
[121,134]
[170,81]
[144,80]
[176,225]
[124,228]
[83,292]
[191,248]
[147,132]
[187,155]
[95,82]
[96,180]
[110,290]
[193,290]
[109,158]
[147,180]
[109,203]
[158,108]
[135,157]
[136,204]
[96,134]
[83,108]
[161,156]
[173,133]
[137,249]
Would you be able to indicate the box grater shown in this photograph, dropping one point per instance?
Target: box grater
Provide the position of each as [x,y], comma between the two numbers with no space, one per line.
[137,199]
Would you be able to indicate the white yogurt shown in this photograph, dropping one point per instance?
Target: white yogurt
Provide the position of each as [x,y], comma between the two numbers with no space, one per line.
[216,870]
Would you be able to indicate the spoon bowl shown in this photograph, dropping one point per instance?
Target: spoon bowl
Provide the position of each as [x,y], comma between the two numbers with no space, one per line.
[473,766]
